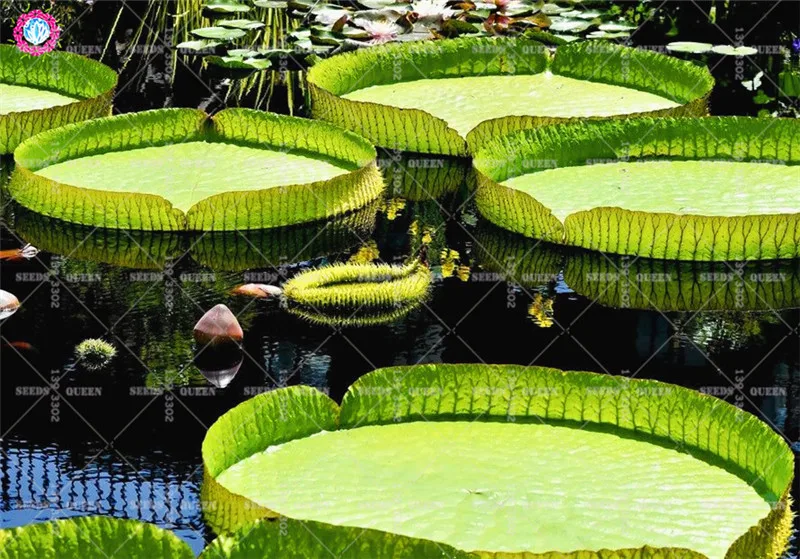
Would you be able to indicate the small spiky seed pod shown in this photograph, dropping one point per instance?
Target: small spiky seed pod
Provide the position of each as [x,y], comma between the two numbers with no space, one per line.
[94,354]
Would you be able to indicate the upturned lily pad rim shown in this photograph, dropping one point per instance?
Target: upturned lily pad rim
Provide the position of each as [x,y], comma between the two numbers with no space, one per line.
[681,81]
[162,127]
[644,409]
[656,235]
[90,82]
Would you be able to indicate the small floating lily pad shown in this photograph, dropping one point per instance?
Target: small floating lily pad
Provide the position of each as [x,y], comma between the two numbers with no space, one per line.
[430,439]
[438,97]
[48,91]
[689,47]
[219,33]
[226,7]
[92,537]
[730,50]
[685,189]
[241,169]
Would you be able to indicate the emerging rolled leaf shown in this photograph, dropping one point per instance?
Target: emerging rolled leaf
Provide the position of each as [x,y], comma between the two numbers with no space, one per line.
[92,537]
[429,440]
[293,539]
[641,283]
[178,169]
[448,97]
[48,91]
[358,294]
[720,188]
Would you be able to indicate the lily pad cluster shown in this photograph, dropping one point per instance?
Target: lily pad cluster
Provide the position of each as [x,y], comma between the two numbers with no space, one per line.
[234,39]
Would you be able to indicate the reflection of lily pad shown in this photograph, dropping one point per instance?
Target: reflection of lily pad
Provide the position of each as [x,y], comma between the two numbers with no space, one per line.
[409,438]
[712,189]
[689,47]
[43,92]
[641,283]
[470,89]
[261,170]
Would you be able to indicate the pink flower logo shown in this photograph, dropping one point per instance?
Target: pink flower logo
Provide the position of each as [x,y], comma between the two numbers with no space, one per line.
[36,32]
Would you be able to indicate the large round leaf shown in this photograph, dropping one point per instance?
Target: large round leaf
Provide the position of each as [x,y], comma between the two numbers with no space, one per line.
[48,91]
[435,97]
[91,538]
[243,169]
[505,459]
[684,189]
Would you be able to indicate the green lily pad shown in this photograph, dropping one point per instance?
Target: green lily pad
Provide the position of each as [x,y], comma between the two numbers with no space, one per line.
[461,91]
[710,189]
[271,4]
[201,44]
[219,33]
[92,537]
[689,47]
[563,25]
[48,91]
[608,35]
[730,50]
[616,27]
[239,63]
[242,169]
[429,440]
[227,7]
[246,24]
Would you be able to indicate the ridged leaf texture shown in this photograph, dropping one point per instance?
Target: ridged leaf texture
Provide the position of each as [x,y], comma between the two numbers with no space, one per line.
[646,234]
[253,209]
[91,83]
[419,131]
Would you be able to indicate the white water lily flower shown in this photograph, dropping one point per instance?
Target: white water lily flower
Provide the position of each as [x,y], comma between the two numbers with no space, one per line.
[380,31]
[509,5]
[432,11]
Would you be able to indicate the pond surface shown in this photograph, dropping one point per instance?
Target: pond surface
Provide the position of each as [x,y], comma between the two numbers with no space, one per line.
[125,441]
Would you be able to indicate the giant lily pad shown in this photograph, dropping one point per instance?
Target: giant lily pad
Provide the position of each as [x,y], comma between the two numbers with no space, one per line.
[93,537]
[435,97]
[177,169]
[640,283]
[506,460]
[47,91]
[683,189]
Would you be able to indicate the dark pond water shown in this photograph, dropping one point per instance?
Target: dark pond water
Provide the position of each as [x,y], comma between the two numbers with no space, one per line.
[126,441]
